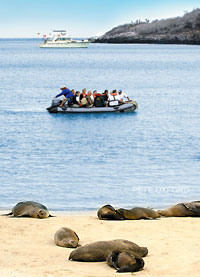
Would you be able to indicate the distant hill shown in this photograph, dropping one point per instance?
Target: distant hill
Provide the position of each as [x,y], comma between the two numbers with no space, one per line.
[178,30]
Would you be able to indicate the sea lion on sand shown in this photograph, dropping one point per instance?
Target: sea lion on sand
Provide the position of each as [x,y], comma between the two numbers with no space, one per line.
[66,237]
[98,251]
[182,209]
[125,261]
[108,212]
[138,213]
[30,209]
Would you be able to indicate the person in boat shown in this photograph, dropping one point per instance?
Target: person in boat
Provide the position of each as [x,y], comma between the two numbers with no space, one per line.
[67,93]
[123,98]
[76,100]
[83,93]
[105,95]
[113,99]
[83,99]
[89,98]
[99,100]
[94,94]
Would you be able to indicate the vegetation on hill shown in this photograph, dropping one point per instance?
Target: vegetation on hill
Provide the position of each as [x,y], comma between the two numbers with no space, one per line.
[185,29]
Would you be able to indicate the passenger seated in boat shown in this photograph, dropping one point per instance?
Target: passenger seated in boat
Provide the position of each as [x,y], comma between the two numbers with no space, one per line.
[83,99]
[113,99]
[94,94]
[89,99]
[70,100]
[83,93]
[99,101]
[67,93]
[122,97]
[105,95]
[76,100]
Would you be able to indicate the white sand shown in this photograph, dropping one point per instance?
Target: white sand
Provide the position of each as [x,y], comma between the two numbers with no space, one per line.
[28,249]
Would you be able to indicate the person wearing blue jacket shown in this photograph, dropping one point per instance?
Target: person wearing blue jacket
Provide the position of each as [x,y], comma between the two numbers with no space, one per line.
[67,93]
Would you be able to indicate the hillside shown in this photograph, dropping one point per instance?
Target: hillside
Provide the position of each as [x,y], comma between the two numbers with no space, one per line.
[179,30]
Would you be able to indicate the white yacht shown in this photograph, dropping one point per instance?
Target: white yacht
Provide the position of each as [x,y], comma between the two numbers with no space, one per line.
[59,39]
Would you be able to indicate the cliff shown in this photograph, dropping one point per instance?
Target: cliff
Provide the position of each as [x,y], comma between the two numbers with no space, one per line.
[178,30]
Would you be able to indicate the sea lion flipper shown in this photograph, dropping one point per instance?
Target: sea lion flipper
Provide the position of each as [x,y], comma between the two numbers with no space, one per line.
[109,216]
[150,218]
[52,215]
[77,236]
[11,213]
[23,215]
[193,207]
[136,265]
[125,268]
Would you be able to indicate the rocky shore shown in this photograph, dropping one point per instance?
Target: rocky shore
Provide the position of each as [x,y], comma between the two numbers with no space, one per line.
[179,30]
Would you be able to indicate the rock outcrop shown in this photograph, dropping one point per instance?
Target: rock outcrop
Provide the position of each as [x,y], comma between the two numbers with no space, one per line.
[178,30]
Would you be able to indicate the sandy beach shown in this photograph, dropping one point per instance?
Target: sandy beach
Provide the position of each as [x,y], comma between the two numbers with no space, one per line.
[28,249]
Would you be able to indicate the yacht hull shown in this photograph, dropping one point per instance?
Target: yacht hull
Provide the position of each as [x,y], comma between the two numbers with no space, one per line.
[65,45]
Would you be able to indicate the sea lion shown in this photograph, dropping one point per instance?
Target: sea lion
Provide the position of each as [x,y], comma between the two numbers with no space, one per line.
[125,261]
[182,209]
[30,209]
[66,237]
[108,212]
[98,251]
[138,213]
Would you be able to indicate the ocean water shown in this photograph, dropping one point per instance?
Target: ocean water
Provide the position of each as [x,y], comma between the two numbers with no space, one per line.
[78,162]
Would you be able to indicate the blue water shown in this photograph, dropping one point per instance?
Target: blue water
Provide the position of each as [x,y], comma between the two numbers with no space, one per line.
[81,162]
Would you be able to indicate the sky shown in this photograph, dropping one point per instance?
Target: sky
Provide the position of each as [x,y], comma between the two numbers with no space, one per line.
[82,18]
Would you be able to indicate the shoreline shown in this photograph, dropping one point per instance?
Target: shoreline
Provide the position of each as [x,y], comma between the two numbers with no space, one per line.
[28,248]
[61,213]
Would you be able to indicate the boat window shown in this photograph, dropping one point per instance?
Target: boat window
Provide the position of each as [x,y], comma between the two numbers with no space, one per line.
[62,39]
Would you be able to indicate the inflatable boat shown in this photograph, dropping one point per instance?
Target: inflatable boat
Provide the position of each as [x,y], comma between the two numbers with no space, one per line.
[127,107]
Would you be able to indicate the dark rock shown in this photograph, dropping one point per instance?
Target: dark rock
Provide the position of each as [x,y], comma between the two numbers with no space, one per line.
[178,30]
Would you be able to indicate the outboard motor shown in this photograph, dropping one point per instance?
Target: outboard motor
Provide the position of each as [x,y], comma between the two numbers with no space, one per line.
[55,103]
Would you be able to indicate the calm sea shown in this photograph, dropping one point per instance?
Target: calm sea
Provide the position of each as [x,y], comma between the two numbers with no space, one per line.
[80,162]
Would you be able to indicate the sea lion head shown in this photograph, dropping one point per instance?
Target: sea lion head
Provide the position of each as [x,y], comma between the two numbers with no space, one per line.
[125,261]
[108,212]
[43,213]
[70,243]
[112,259]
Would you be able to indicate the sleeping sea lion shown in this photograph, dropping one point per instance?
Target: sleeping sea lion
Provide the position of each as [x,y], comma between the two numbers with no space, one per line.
[98,251]
[108,212]
[30,209]
[125,261]
[66,237]
[138,213]
[182,209]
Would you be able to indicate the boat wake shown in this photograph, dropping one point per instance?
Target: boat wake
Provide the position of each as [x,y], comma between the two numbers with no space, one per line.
[24,110]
